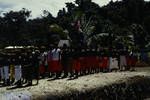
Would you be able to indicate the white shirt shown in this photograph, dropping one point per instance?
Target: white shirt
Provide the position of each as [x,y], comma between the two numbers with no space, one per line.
[55,54]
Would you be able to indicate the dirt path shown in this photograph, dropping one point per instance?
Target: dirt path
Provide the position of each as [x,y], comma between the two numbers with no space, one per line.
[60,87]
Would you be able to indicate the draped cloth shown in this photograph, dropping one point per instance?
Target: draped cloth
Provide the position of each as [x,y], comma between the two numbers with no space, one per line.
[18,72]
[123,61]
[113,63]
[2,72]
[6,72]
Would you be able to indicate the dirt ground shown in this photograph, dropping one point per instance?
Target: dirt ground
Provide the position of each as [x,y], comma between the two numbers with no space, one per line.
[60,87]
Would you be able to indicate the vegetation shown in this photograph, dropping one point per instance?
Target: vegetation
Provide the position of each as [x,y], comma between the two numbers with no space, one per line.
[118,24]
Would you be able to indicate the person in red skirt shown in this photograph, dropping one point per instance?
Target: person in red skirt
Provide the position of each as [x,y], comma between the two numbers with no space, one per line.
[70,62]
[49,58]
[90,61]
[42,65]
[97,59]
[76,63]
[87,61]
[82,61]
[91,58]
[123,61]
[64,60]
[101,60]
[105,61]
[56,62]
[129,60]
[88,66]
[133,61]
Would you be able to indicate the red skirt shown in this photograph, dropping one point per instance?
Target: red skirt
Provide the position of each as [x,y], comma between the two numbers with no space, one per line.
[82,63]
[97,62]
[87,63]
[90,61]
[129,61]
[55,66]
[100,62]
[105,62]
[42,69]
[49,66]
[133,61]
[76,65]
[94,62]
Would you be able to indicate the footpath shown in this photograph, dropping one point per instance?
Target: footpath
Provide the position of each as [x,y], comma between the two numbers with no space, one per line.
[100,86]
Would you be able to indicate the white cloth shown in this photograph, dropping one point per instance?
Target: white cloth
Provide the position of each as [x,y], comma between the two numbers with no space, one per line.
[2,73]
[113,63]
[18,72]
[62,42]
[49,55]
[45,58]
[6,72]
[22,95]
[55,54]
[123,62]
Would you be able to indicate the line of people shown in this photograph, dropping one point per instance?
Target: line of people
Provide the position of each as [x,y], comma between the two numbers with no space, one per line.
[22,67]
[75,62]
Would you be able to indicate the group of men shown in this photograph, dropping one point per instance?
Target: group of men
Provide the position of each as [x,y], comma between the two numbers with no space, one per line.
[17,67]
[22,67]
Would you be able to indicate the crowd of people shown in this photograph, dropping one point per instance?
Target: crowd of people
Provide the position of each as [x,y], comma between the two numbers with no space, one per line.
[22,67]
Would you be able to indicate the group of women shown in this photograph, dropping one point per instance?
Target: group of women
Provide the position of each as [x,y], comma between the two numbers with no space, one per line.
[75,62]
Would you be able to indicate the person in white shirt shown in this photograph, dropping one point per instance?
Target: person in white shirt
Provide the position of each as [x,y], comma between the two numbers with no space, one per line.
[56,64]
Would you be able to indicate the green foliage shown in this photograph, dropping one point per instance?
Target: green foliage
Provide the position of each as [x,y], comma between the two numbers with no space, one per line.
[123,22]
[57,30]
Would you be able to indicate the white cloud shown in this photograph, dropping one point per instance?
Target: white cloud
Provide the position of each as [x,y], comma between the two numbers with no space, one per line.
[37,6]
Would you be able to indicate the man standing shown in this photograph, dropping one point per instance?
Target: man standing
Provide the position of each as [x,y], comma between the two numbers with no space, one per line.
[46,60]
[1,68]
[35,65]
[29,68]
[18,70]
[6,69]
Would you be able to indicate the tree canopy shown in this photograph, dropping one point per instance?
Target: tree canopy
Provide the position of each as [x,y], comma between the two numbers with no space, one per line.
[84,23]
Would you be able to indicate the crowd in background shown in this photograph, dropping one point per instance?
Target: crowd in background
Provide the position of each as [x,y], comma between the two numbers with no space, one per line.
[24,66]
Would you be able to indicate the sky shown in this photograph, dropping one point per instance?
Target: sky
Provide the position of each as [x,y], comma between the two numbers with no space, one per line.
[37,6]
